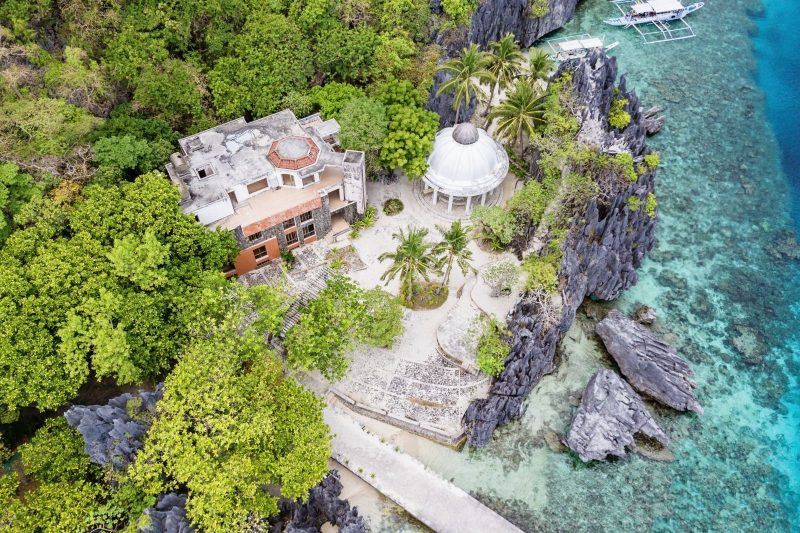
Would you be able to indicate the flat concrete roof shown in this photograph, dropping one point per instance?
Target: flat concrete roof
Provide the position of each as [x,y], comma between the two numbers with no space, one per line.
[235,153]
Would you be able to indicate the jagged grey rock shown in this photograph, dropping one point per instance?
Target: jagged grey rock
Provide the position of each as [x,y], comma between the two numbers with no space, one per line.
[112,432]
[651,365]
[645,314]
[168,515]
[443,103]
[602,250]
[609,416]
[653,121]
[495,18]
[323,506]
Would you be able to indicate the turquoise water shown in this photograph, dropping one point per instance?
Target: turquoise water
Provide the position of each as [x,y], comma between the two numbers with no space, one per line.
[726,289]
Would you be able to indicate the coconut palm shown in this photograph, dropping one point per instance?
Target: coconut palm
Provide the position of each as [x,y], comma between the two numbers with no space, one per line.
[520,113]
[467,72]
[540,65]
[504,63]
[412,259]
[453,249]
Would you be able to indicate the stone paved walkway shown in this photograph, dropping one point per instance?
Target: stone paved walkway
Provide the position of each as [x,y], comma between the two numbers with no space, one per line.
[435,502]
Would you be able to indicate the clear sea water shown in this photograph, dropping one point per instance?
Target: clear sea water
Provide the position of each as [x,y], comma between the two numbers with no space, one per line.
[725,291]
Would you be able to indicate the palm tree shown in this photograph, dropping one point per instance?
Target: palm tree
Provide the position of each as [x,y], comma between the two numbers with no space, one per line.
[520,113]
[413,259]
[453,249]
[540,65]
[504,63]
[466,74]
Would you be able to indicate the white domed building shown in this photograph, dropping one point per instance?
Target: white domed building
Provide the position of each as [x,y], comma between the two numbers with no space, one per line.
[465,168]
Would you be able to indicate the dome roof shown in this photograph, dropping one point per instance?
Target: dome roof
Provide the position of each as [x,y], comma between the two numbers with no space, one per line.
[465,133]
[465,161]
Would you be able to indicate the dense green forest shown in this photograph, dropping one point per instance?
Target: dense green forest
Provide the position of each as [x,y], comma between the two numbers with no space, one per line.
[103,281]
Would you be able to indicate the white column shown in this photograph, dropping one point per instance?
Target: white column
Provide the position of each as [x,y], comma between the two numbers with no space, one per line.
[469,204]
[435,195]
[450,204]
[483,199]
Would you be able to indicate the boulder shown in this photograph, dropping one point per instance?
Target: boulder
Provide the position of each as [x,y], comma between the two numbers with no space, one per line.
[324,506]
[609,416]
[645,314]
[112,433]
[168,515]
[651,365]
[653,121]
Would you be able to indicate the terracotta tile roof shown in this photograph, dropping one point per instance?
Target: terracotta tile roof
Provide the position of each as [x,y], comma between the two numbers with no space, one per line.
[293,153]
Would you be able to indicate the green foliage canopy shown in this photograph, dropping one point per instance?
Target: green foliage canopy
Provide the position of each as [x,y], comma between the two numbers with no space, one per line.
[117,290]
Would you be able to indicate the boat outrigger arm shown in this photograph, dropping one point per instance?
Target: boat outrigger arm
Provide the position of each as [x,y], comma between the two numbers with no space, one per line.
[654,11]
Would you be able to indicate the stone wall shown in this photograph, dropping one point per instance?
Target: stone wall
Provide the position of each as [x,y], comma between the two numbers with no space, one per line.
[601,252]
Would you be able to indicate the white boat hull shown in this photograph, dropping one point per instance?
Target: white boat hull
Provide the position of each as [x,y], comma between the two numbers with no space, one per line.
[628,20]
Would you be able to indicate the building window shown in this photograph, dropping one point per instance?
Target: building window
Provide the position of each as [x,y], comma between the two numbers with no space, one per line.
[291,238]
[255,236]
[305,217]
[308,231]
[204,171]
[256,186]
[260,253]
[288,223]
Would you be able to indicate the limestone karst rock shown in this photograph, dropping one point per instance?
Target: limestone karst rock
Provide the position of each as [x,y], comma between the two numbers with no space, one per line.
[609,416]
[651,365]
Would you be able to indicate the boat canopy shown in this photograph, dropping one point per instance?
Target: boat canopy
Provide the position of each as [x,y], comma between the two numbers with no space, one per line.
[656,6]
[580,44]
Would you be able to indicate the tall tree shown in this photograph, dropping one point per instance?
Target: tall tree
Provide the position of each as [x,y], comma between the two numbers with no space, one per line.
[231,425]
[412,259]
[504,62]
[453,249]
[116,287]
[467,72]
[539,65]
[520,112]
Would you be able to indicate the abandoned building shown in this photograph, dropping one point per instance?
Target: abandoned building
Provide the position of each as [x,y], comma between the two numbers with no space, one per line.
[276,182]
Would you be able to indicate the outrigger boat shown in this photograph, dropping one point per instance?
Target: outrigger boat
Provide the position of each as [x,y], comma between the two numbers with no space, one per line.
[575,46]
[654,11]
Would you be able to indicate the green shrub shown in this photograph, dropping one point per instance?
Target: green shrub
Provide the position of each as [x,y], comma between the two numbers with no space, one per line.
[495,225]
[366,221]
[55,453]
[634,203]
[288,258]
[392,207]
[618,118]
[492,349]
[384,321]
[650,205]
[542,271]
[501,276]
[624,164]
[652,160]
[539,8]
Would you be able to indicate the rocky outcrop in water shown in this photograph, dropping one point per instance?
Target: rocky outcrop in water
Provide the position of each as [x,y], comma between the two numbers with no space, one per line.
[323,506]
[653,121]
[646,315]
[602,250]
[112,433]
[609,416]
[168,515]
[651,365]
